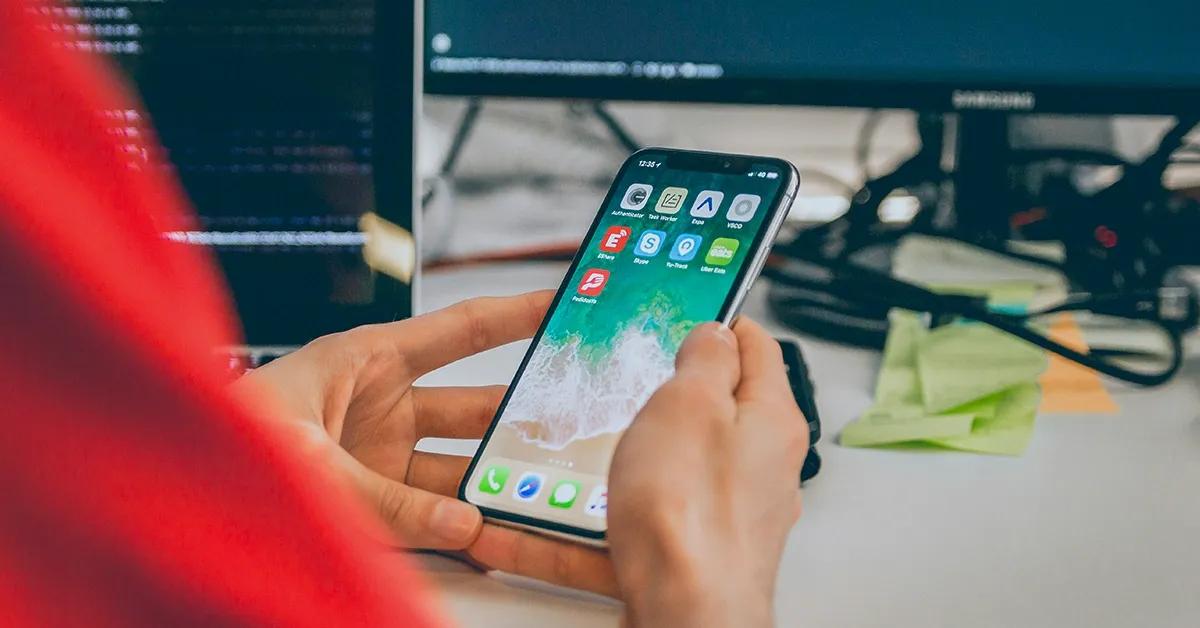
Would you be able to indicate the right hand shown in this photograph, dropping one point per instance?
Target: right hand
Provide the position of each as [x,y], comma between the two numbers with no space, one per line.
[704,485]
[703,490]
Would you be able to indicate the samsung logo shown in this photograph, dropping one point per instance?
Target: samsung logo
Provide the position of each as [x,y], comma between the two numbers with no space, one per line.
[983,99]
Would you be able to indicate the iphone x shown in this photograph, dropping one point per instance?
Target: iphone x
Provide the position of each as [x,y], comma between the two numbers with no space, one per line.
[678,241]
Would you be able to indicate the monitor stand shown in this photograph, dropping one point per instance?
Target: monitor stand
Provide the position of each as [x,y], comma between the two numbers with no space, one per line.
[983,186]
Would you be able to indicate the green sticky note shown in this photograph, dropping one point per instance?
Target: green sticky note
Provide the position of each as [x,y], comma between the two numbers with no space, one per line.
[884,429]
[1002,294]
[1009,431]
[958,364]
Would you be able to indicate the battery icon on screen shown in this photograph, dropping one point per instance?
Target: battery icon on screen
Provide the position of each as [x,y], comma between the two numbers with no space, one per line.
[772,175]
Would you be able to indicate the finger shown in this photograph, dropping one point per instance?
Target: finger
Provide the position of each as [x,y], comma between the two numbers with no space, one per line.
[455,412]
[557,562]
[437,473]
[422,519]
[436,339]
[764,375]
[710,354]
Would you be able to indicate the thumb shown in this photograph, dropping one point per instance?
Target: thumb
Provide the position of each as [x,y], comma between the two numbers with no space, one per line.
[425,520]
[710,353]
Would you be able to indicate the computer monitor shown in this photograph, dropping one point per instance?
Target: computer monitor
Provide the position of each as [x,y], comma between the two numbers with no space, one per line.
[1020,56]
[291,126]
[986,60]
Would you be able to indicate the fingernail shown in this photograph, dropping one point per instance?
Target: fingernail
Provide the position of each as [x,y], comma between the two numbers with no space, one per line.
[724,333]
[454,520]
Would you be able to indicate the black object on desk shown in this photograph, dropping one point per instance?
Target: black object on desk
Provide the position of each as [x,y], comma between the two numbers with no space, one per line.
[802,390]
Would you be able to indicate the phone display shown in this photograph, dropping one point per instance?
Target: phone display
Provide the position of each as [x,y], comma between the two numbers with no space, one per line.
[677,238]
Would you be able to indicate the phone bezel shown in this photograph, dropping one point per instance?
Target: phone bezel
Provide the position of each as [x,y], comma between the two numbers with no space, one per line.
[698,161]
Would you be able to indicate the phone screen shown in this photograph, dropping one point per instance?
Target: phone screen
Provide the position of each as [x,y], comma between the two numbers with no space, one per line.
[665,254]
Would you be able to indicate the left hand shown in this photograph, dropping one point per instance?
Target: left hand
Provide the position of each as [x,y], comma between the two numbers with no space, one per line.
[351,399]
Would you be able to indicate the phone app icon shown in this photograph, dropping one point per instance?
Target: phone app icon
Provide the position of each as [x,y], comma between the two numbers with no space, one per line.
[597,503]
[564,494]
[614,239]
[650,243]
[671,200]
[529,486]
[722,251]
[743,207]
[493,480]
[593,282]
[686,247]
[707,204]
[636,196]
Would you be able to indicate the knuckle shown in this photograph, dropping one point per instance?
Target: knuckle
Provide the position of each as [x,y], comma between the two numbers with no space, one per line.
[395,504]
[796,437]
[474,321]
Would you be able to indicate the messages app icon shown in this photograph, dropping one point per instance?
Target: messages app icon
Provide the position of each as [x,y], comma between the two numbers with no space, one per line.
[650,243]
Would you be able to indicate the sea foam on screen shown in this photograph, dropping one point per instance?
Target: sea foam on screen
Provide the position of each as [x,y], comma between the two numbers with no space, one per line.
[563,398]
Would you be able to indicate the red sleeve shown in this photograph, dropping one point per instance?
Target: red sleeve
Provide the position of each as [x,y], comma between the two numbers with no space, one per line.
[133,490]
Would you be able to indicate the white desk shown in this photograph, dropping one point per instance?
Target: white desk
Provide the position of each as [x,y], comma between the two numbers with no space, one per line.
[1098,524]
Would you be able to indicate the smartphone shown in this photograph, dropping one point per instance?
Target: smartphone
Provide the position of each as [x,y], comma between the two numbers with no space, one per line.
[678,241]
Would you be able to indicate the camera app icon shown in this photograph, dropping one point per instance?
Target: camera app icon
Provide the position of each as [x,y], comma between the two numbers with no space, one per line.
[636,196]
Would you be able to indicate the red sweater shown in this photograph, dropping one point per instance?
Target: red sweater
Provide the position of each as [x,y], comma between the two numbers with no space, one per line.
[133,489]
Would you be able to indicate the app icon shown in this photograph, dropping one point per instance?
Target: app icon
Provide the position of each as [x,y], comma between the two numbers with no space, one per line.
[722,251]
[743,208]
[528,486]
[650,243]
[593,282]
[615,239]
[707,204]
[671,200]
[597,503]
[493,480]
[686,247]
[564,494]
[636,196]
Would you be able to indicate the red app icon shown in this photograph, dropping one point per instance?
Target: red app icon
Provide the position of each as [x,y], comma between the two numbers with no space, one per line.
[593,282]
[615,239]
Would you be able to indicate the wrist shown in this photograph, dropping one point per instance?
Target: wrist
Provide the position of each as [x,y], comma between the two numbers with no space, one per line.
[673,604]
[694,589]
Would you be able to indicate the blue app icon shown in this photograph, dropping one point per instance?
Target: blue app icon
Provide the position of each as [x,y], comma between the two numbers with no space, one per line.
[529,486]
[686,247]
[650,243]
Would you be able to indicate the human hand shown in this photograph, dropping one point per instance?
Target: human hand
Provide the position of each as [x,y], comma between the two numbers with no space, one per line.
[727,421]
[350,400]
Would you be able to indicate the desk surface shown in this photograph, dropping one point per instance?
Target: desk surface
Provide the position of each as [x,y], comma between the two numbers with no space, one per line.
[1098,524]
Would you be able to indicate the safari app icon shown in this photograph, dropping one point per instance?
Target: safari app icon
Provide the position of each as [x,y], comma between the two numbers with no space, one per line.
[529,486]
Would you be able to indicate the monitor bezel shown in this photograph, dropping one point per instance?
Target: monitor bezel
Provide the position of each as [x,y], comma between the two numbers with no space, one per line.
[933,96]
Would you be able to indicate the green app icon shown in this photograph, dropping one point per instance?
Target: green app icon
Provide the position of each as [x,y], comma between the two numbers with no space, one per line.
[722,251]
[564,494]
[493,480]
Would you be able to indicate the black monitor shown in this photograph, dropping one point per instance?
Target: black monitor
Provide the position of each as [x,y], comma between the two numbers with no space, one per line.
[1018,56]
[290,124]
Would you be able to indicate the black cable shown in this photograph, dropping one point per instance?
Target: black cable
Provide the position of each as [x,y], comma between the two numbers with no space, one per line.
[615,127]
[848,191]
[862,146]
[1074,155]
[866,286]
[462,132]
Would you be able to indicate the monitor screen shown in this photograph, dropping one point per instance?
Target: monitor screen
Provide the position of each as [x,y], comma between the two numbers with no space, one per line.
[1034,55]
[290,125]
